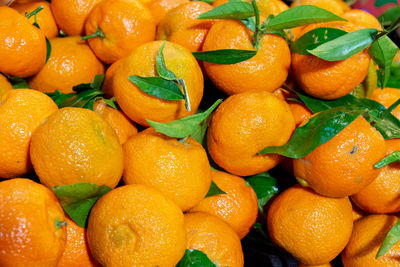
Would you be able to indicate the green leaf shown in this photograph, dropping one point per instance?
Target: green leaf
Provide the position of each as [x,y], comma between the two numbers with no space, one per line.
[161,68]
[314,38]
[200,132]
[265,187]
[17,82]
[214,190]
[78,199]
[48,50]
[393,157]
[111,102]
[249,23]
[301,15]
[383,51]
[318,130]
[185,126]
[195,258]
[231,10]
[206,1]
[225,56]
[391,238]
[389,16]
[59,98]
[158,87]
[345,46]
[96,84]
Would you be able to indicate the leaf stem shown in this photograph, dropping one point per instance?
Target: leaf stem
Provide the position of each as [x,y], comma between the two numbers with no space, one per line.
[99,33]
[393,106]
[256,36]
[185,93]
[34,12]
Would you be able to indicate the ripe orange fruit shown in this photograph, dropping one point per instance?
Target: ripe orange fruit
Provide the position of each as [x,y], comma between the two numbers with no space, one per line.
[367,237]
[181,26]
[238,207]
[266,71]
[121,124]
[5,85]
[71,15]
[75,145]
[22,45]
[343,166]
[107,86]
[319,265]
[362,18]
[330,79]
[178,170]
[44,18]
[382,195]
[337,7]
[358,213]
[159,8]
[314,229]
[30,225]
[135,225]
[126,24]
[71,63]
[213,237]
[300,112]
[243,125]
[21,112]
[76,252]
[140,106]
[266,7]
[387,97]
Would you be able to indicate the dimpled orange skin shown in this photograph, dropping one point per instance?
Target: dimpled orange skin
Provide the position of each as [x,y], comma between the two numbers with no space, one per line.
[135,225]
[159,8]
[266,71]
[330,79]
[138,105]
[107,86]
[121,124]
[387,97]
[368,235]
[71,15]
[76,252]
[28,215]
[238,207]
[314,229]
[180,171]
[44,17]
[362,18]
[22,45]
[76,145]
[382,195]
[180,25]
[344,165]
[126,24]
[71,63]
[21,112]
[213,237]
[337,7]
[5,85]
[242,126]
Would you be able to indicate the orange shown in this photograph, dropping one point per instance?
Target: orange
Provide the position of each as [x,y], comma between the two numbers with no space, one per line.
[319,265]
[21,112]
[362,18]
[330,79]
[5,85]
[358,213]
[44,17]
[107,86]
[266,7]
[337,7]
[30,225]
[181,26]
[71,15]
[243,125]
[213,237]
[367,237]
[159,8]
[140,106]
[314,229]
[238,207]
[135,225]
[121,124]
[387,97]
[382,195]
[300,112]
[75,145]
[266,71]
[71,63]
[22,45]
[125,25]
[179,170]
[344,165]
[76,253]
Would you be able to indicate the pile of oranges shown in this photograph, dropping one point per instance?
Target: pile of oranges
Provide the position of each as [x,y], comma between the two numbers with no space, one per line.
[110,154]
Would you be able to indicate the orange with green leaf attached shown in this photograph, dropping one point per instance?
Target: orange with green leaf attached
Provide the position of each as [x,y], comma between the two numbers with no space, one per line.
[387,97]
[31,225]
